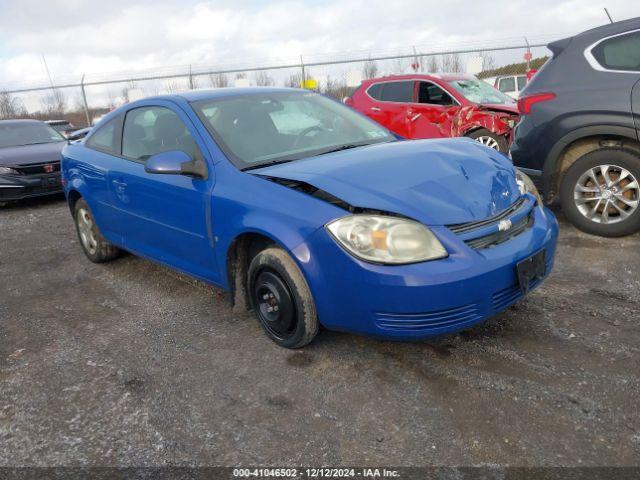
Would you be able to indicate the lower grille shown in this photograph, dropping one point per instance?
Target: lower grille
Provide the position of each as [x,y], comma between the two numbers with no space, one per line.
[429,320]
[506,297]
[38,168]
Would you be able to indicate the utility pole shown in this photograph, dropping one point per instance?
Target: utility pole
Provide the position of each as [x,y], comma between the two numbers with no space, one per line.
[56,94]
[528,56]
[416,64]
[84,102]
[304,76]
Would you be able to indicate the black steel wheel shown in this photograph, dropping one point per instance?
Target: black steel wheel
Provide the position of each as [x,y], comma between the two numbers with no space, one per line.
[274,303]
[281,299]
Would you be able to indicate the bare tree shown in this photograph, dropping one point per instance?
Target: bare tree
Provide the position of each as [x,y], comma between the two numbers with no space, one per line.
[262,79]
[452,63]
[11,107]
[398,66]
[337,89]
[294,80]
[370,69]
[219,80]
[53,104]
[433,66]
[171,86]
[488,61]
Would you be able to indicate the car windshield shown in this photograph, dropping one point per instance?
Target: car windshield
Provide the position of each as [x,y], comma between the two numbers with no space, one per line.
[478,91]
[20,134]
[273,127]
[60,126]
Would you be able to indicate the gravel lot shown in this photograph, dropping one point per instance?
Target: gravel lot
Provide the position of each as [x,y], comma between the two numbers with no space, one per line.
[130,363]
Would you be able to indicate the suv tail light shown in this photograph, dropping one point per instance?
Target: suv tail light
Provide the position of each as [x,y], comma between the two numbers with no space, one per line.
[525,103]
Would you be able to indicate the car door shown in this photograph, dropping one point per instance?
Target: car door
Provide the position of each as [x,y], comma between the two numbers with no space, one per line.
[390,102]
[635,106]
[165,217]
[102,149]
[431,115]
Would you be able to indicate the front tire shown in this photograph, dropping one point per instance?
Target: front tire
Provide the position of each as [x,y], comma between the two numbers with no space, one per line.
[600,193]
[94,245]
[281,299]
[490,139]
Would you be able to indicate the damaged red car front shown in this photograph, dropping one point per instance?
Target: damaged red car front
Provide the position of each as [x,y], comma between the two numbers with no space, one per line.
[438,106]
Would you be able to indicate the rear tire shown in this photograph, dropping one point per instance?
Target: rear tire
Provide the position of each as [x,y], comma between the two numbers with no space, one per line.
[281,299]
[490,139]
[600,194]
[94,245]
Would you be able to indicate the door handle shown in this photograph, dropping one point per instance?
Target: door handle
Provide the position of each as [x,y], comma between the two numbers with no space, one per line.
[375,109]
[415,117]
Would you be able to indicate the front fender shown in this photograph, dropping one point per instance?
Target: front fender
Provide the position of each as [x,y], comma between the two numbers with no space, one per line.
[282,214]
[470,118]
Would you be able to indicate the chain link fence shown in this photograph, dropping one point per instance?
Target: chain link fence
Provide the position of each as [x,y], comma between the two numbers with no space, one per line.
[83,102]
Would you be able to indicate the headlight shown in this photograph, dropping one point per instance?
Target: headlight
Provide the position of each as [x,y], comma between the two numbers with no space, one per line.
[389,240]
[8,171]
[525,184]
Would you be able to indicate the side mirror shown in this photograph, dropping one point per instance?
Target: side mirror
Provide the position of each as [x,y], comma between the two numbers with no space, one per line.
[175,162]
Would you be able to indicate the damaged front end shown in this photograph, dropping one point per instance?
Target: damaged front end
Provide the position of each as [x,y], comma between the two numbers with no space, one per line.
[498,120]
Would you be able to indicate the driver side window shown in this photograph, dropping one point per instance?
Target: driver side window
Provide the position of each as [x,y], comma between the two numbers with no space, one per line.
[151,130]
[434,95]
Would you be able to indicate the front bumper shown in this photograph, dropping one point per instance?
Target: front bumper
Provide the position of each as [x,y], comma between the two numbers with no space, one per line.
[412,302]
[19,187]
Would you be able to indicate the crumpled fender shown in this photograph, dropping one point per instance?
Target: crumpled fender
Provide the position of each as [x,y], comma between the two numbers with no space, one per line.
[470,117]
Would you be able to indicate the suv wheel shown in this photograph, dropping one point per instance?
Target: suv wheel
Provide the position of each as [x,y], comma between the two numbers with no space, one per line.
[490,139]
[600,193]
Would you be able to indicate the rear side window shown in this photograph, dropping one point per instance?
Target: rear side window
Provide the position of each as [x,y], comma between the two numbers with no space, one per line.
[507,85]
[106,138]
[392,91]
[619,53]
[375,91]
[522,82]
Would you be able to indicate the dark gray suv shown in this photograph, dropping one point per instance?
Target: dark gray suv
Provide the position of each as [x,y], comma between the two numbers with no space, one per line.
[578,134]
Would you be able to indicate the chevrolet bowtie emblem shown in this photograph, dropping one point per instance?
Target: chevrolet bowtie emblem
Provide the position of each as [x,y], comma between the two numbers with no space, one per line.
[504,225]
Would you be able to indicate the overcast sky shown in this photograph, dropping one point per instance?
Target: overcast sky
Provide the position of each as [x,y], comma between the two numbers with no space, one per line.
[81,36]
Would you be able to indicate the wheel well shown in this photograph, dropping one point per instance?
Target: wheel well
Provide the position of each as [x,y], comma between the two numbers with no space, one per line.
[72,198]
[242,250]
[578,148]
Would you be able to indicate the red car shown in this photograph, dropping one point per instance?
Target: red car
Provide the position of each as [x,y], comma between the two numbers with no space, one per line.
[437,106]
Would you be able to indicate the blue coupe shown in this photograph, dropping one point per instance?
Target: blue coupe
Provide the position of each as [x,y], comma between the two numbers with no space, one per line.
[309,213]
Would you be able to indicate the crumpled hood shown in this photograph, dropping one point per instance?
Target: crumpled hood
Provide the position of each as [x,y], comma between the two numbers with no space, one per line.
[30,154]
[498,107]
[438,182]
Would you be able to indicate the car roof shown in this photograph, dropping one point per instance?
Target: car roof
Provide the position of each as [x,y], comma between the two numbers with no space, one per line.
[212,93]
[595,34]
[613,28]
[447,77]
[19,121]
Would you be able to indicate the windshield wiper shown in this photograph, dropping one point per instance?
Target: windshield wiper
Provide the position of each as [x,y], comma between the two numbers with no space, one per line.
[266,164]
[39,143]
[348,146]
